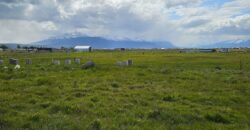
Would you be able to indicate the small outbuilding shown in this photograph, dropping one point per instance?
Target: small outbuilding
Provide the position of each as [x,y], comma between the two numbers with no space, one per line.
[83,48]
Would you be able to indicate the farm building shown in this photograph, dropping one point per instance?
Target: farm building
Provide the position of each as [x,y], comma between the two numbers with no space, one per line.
[83,48]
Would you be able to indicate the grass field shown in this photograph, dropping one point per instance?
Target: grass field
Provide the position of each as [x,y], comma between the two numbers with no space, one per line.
[162,90]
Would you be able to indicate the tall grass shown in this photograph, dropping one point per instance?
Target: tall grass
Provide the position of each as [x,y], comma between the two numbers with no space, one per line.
[162,90]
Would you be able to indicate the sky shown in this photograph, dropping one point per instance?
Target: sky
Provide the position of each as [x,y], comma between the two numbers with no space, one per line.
[182,22]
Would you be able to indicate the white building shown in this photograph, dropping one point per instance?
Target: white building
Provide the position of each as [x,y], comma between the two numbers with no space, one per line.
[83,48]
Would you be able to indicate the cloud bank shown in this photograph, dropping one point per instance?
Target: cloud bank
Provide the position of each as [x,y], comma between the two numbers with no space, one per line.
[182,22]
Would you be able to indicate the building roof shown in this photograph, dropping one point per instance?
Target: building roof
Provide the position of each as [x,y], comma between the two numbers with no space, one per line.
[82,47]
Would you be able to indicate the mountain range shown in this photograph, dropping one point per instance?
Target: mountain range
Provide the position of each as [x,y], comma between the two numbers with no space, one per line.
[99,42]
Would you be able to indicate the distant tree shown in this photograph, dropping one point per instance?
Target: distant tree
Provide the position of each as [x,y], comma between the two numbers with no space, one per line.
[32,47]
[18,46]
[25,47]
[3,47]
[214,50]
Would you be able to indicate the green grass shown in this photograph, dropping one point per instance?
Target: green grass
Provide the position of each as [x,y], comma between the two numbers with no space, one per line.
[162,90]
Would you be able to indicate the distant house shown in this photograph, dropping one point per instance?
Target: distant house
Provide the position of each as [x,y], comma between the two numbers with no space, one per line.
[1,49]
[83,48]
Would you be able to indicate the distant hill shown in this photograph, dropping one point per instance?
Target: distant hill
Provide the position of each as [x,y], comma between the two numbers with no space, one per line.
[99,42]
[230,44]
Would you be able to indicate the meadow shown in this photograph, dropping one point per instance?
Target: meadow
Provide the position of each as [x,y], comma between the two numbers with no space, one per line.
[161,90]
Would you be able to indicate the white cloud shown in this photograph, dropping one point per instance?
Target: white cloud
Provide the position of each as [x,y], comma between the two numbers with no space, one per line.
[25,31]
[183,22]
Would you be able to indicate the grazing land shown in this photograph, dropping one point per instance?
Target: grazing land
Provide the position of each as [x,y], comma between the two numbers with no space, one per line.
[161,90]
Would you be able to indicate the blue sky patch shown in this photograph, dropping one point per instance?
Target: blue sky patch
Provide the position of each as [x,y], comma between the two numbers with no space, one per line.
[214,3]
